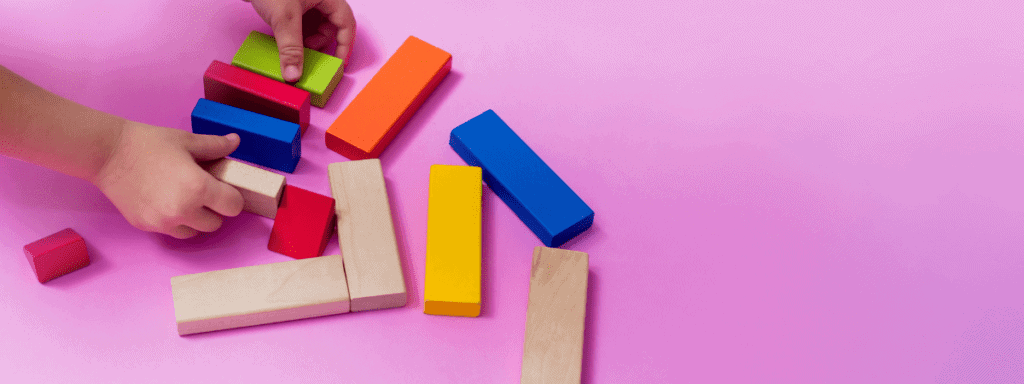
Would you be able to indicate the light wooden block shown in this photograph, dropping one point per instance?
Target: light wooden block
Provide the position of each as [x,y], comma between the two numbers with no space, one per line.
[367,235]
[452,283]
[553,351]
[260,188]
[261,294]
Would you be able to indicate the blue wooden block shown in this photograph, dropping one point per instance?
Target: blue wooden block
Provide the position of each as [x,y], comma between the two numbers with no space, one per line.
[523,181]
[270,142]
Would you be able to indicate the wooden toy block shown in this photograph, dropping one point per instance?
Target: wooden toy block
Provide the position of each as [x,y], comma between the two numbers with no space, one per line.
[452,284]
[320,72]
[366,235]
[260,188]
[239,88]
[389,100]
[553,351]
[304,224]
[261,294]
[523,181]
[57,255]
[270,142]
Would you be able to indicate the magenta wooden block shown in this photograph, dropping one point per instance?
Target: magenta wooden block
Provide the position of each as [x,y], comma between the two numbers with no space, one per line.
[57,255]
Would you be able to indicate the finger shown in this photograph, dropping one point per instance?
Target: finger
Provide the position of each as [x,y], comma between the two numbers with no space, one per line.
[204,220]
[222,198]
[182,232]
[211,147]
[286,21]
[339,13]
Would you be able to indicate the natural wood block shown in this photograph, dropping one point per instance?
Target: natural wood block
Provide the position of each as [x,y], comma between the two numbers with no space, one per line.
[261,294]
[304,224]
[320,72]
[234,86]
[57,255]
[260,188]
[389,100]
[553,351]
[452,283]
[367,235]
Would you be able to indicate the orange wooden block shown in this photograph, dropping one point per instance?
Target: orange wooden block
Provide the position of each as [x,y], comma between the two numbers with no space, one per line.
[389,100]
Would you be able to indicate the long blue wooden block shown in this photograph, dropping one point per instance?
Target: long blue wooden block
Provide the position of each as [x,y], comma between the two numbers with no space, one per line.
[523,181]
[270,142]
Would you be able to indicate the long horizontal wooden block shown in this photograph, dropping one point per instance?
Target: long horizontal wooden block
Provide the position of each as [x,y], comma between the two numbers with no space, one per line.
[270,142]
[320,72]
[389,100]
[555,315]
[261,294]
[366,235]
[304,224]
[57,255]
[521,179]
[261,189]
[234,86]
[452,283]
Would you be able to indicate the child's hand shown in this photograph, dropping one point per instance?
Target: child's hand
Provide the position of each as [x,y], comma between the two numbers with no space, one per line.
[325,20]
[153,179]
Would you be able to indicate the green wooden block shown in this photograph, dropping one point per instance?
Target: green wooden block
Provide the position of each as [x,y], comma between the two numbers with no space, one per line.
[320,72]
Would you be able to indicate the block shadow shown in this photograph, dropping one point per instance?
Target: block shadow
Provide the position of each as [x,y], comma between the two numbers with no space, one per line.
[218,249]
[489,230]
[586,240]
[590,328]
[411,286]
[421,118]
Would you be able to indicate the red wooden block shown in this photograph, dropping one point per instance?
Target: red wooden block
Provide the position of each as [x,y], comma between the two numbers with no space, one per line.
[304,223]
[230,85]
[57,255]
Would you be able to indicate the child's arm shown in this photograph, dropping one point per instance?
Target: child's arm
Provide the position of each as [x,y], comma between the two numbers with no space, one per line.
[327,20]
[149,173]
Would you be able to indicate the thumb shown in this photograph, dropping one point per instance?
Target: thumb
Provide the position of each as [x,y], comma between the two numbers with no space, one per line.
[286,21]
[211,147]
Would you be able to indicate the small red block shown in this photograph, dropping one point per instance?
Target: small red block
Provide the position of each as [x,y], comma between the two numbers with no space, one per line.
[57,255]
[239,88]
[304,223]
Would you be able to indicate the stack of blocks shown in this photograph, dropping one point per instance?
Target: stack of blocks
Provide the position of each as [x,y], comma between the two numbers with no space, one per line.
[250,99]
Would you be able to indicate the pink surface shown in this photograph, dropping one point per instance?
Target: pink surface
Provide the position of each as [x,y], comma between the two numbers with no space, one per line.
[822,191]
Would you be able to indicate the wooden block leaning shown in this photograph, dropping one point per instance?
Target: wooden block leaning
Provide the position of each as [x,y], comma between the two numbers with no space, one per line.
[270,142]
[261,294]
[553,351]
[304,224]
[260,188]
[366,235]
[230,85]
[320,72]
[521,179]
[452,283]
[389,100]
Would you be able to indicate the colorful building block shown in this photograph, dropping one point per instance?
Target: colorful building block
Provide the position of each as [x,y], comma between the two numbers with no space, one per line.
[260,188]
[389,100]
[304,224]
[553,350]
[523,181]
[452,283]
[320,72]
[366,235]
[57,255]
[261,294]
[239,88]
[270,142]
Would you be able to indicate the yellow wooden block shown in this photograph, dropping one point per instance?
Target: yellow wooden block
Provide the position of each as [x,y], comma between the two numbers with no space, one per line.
[452,284]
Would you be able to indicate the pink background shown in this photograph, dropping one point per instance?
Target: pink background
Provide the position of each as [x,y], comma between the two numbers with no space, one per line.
[819,192]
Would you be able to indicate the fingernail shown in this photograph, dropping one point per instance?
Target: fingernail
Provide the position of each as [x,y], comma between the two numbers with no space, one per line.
[292,73]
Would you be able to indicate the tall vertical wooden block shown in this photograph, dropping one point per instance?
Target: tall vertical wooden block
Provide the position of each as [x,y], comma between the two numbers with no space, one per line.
[553,351]
[452,283]
[230,85]
[521,179]
[320,72]
[261,189]
[366,235]
[57,255]
[261,294]
[389,100]
[270,142]
[304,223]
